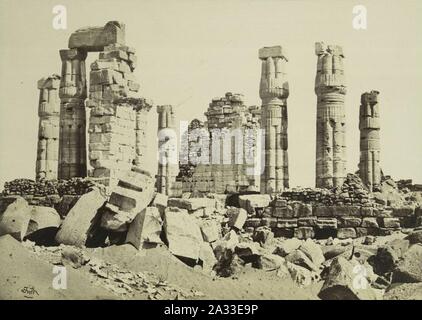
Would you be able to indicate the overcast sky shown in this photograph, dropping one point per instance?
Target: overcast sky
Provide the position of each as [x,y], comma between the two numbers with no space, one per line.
[192,51]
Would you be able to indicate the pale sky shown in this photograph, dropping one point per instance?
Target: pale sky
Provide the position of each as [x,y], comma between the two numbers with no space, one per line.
[192,51]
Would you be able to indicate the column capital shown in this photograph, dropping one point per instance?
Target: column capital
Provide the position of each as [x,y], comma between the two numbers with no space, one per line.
[72,54]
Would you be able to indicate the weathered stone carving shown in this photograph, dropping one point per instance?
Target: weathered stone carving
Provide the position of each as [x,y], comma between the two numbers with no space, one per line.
[274,91]
[48,130]
[369,126]
[331,122]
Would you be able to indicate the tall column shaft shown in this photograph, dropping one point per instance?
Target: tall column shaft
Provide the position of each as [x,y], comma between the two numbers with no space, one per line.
[48,130]
[72,149]
[168,166]
[274,91]
[369,126]
[331,120]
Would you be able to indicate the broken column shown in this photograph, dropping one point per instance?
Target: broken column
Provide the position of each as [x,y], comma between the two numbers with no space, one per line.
[369,126]
[72,144]
[48,130]
[331,120]
[274,91]
[168,164]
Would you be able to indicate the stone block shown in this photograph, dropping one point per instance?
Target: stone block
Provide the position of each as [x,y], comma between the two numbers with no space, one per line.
[307,222]
[390,222]
[346,233]
[326,223]
[145,228]
[349,222]
[42,218]
[76,227]
[211,230]
[286,223]
[275,51]
[304,232]
[403,211]
[237,217]
[369,222]
[96,38]
[15,214]
[251,202]
[191,204]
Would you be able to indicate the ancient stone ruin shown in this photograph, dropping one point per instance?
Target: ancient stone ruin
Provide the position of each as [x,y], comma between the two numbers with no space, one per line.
[49,128]
[274,91]
[331,123]
[223,202]
[369,126]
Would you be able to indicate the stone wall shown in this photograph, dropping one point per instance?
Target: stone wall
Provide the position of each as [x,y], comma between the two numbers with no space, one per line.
[223,152]
[113,115]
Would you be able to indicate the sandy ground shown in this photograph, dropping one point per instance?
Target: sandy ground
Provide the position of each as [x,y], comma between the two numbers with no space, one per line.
[249,284]
[28,275]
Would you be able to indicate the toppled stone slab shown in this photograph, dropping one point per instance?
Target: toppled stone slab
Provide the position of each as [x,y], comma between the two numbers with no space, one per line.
[251,202]
[299,258]
[207,257]
[76,227]
[237,217]
[287,246]
[313,251]
[409,268]
[132,194]
[191,204]
[183,234]
[15,214]
[160,201]
[342,284]
[145,228]
[211,230]
[43,225]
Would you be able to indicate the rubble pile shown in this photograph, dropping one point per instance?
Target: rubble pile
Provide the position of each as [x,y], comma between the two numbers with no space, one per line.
[47,192]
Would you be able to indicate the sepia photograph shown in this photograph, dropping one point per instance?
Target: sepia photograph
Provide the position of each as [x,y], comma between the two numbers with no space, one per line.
[228,152]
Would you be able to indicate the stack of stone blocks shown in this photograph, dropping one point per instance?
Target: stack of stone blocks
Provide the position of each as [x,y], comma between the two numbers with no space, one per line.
[48,129]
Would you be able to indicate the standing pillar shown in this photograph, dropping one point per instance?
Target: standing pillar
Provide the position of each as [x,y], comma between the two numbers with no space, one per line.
[48,130]
[331,120]
[72,146]
[274,91]
[140,133]
[369,126]
[168,165]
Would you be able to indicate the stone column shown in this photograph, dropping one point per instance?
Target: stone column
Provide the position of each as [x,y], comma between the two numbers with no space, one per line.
[168,166]
[331,120]
[274,91]
[72,147]
[140,133]
[369,126]
[48,130]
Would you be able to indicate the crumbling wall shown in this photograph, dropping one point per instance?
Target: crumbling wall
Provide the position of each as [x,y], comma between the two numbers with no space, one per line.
[228,146]
[114,120]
